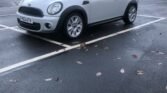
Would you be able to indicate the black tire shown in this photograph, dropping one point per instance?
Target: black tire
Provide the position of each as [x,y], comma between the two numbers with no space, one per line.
[126,18]
[65,25]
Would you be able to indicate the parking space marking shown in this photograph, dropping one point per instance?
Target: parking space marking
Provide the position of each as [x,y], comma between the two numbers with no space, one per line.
[36,36]
[39,37]
[33,60]
[36,59]
[150,16]
[124,31]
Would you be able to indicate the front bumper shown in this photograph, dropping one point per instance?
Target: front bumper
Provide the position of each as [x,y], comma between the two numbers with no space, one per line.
[39,23]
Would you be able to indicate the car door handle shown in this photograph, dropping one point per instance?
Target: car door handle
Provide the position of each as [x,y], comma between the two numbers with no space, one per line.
[85,2]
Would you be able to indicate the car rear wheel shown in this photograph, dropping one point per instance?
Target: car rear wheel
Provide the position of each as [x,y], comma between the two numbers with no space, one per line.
[74,26]
[130,14]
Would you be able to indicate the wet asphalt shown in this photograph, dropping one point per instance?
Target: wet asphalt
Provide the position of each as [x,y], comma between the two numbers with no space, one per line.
[133,62]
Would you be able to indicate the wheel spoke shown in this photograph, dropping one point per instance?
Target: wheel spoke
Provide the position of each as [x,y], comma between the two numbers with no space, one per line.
[70,28]
[132,14]
[76,20]
[75,26]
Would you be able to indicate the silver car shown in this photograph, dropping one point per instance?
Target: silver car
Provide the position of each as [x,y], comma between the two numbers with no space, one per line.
[71,17]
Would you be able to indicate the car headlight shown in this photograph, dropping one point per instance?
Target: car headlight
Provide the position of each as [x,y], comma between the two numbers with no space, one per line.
[55,8]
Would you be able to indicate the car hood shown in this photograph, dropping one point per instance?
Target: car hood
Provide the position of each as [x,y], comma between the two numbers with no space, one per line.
[39,2]
[44,4]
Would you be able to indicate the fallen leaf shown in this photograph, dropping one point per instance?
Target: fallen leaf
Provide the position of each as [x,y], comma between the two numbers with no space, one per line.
[13,81]
[98,74]
[48,79]
[135,56]
[96,46]
[166,87]
[119,58]
[161,53]
[57,79]
[140,72]
[153,51]
[106,48]
[79,62]
[82,45]
[159,63]
[122,71]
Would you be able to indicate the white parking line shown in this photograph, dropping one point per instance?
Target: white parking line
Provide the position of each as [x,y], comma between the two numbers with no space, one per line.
[39,37]
[20,64]
[36,36]
[124,31]
[36,59]
[150,16]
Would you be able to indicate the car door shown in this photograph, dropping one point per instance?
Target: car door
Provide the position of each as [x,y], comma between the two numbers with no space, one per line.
[120,6]
[105,9]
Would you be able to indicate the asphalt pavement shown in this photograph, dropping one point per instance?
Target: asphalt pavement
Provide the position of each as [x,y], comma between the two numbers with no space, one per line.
[109,58]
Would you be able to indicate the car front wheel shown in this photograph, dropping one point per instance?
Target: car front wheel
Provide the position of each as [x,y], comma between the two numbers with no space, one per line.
[74,26]
[130,14]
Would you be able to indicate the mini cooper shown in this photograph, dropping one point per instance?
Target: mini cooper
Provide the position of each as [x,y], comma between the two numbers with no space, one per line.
[72,17]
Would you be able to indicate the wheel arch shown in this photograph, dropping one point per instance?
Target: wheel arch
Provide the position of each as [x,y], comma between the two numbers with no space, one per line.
[133,2]
[70,10]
